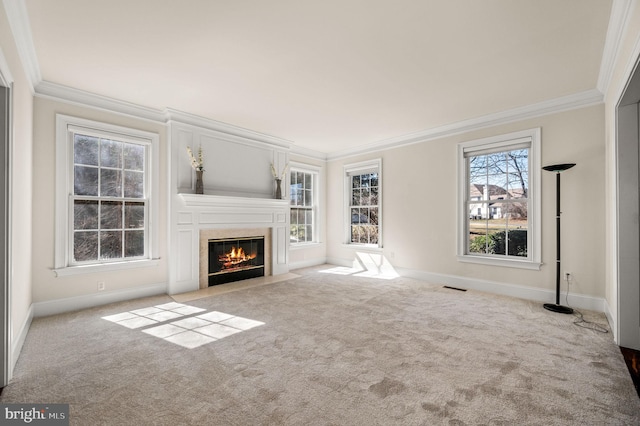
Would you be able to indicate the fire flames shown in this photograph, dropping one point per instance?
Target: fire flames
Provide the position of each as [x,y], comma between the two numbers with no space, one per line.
[235,258]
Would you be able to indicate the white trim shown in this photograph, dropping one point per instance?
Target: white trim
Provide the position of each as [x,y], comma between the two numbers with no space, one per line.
[315,172]
[535,241]
[58,306]
[618,22]
[60,93]
[495,261]
[21,29]
[348,169]
[611,319]
[580,301]
[225,128]
[64,160]
[307,263]
[552,106]
[308,152]
[21,337]
[6,79]
[105,267]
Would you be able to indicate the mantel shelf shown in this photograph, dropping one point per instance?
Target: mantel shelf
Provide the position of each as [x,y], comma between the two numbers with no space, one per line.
[207,200]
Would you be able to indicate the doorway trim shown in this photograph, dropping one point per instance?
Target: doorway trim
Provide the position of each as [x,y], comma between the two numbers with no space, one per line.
[6,197]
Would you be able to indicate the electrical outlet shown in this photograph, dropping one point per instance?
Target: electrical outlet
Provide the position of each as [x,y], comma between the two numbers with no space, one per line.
[101,286]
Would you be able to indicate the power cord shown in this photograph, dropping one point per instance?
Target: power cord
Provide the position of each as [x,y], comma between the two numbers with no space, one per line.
[580,321]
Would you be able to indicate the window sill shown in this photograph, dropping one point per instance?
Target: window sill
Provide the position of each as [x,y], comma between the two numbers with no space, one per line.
[301,246]
[365,247]
[492,261]
[105,267]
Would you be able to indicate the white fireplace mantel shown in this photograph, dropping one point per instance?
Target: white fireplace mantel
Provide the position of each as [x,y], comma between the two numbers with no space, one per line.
[195,214]
[237,185]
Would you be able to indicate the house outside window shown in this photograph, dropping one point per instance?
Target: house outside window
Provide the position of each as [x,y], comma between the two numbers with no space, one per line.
[303,190]
[499,208]
[363,190]
[105,207]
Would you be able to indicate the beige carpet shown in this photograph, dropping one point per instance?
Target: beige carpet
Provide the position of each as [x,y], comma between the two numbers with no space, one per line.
[325,349]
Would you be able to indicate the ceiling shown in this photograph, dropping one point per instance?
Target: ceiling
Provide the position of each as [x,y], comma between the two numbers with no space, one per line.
[325,75]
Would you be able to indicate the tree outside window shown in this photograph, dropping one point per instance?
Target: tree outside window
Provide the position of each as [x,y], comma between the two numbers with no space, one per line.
[109,204]
[497,203]
[302,196]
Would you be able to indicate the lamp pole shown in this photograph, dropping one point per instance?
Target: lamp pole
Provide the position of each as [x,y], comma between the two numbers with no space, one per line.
[557,307]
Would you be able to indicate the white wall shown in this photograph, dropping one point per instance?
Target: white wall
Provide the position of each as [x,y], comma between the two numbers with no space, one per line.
[46,286]
[419,206]
[20,269]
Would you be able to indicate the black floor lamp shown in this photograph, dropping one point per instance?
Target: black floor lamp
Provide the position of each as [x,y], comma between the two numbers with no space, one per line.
[557,307]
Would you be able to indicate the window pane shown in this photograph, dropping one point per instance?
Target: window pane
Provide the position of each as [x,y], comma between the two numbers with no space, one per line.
[478,238]
[365,180]
[110,153]
[134,157]
[308,181]
[355,198]
[85,246]
[365,197]
[85,150]
[134,215]
[374,196]
[133,184]
[308,217]
[374,179]
[85,214]
[355,233]
[355,216]
[308,233]
[308,198]
[294,216]
[85,181]
[373,216]
[111,215]
[373,234]
[110,244]
[300,178]
[110,183]
[134,243]
[355,181]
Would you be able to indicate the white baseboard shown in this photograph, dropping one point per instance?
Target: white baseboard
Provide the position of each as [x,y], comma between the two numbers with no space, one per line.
[307,263]
[58,306]
[506,289]
[579,301]
[612,321]
[18,341]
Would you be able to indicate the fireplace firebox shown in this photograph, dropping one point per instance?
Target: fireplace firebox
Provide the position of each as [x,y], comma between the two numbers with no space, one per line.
[235,259]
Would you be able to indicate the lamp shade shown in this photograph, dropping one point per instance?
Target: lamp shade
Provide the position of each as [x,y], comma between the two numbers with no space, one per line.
[558,167]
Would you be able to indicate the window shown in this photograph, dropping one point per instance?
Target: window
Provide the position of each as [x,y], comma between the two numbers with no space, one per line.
[499,208]
[105,206]
[303,196]
[364,198]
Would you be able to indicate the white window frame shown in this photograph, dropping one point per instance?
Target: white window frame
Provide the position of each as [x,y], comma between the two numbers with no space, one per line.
[534,233]
[66,126]
[315,208]
[362,167]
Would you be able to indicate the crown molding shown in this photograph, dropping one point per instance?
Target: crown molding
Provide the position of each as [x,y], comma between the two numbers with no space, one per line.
[61,93]
[308,153]
[565,103]
[173,115]
[618,22]
[21,29]
[5,72]
[71,95]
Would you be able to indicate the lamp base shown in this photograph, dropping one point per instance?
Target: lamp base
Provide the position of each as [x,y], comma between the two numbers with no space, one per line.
[558,308]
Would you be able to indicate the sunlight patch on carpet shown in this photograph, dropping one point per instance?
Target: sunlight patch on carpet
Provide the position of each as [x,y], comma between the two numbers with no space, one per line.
[193,329]
[368,265]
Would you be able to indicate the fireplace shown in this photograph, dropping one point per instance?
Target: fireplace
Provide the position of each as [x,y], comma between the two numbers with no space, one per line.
[235,259]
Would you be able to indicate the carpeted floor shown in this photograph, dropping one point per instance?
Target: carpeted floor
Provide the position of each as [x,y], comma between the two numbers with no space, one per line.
[326,349]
